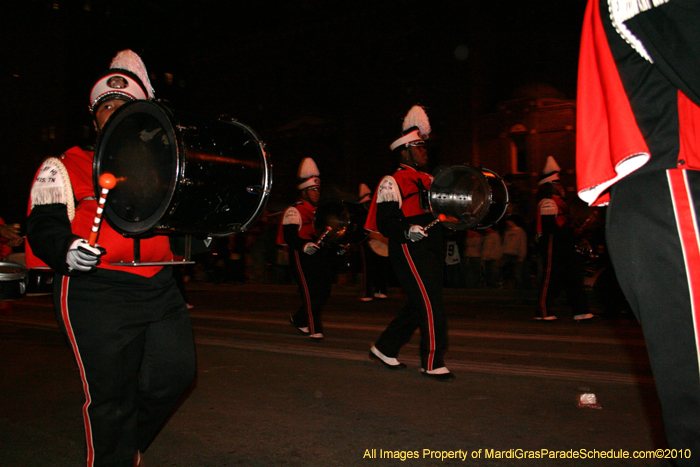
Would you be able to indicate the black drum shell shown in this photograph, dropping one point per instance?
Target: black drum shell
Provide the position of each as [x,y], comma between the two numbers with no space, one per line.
[469,197]
[182,173]
[13,280]
[40,281]
[346,219]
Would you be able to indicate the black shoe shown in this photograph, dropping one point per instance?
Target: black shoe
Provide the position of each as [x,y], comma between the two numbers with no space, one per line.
[442,377]
[400,366]
[304,330]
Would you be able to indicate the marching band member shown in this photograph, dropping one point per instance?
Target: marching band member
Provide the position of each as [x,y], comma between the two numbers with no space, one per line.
[561,269]
[128,327]
[310,263]
[416,255]
[638,149]
[374,255]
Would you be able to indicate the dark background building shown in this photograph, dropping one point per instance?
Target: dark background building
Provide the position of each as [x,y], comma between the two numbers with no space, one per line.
[329,80]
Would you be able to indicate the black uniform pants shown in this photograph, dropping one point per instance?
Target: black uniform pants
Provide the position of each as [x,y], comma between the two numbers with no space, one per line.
[561,271]
[652,233]
[419,271]
[375,271]
[132,340]
[315,278]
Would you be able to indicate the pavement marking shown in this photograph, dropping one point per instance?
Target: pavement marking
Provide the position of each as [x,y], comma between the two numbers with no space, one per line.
[39,323]
[452,332]
[29,322]
[473,349]
[583,376]
[308,350]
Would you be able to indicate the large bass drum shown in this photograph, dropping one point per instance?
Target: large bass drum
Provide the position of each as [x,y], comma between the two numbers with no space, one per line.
[181,173]
[468,197]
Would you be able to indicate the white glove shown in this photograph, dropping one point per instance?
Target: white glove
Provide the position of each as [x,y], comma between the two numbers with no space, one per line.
[83,257]
[310,248]
[415,233]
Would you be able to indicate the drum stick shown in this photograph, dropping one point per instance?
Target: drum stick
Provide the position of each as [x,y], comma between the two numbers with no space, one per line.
[323,235]
[440,218]
[107,182]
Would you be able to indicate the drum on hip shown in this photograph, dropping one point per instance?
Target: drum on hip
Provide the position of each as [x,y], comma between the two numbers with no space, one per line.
[13,280]
[466,197]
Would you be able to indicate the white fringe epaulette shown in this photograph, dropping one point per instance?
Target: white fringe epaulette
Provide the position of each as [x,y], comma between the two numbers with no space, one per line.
[52,186]
[388,191]
[129,60]
[292,216]
[548,207]
[416,117]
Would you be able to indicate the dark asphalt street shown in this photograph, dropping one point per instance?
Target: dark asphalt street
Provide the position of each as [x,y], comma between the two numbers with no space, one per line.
[267,396]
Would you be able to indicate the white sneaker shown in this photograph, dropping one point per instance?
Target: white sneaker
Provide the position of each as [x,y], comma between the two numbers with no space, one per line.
[379,295]
[438,374]
[389,362]
[366,299]
[317,335]
[546,318]
[584,316]
[302,329]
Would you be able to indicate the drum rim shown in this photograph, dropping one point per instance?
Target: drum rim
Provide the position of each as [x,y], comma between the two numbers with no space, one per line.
[266,185]
[506,202]
[163,115]
[12,276]
[478,172]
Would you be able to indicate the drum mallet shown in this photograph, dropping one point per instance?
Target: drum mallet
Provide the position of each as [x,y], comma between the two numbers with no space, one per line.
[439,218]
[323,235]
[107,182]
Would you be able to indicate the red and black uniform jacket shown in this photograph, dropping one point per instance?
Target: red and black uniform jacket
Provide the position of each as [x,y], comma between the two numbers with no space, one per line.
[629,125]
[50,232]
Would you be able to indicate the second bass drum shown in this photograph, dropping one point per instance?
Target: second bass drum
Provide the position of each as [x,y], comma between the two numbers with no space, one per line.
[181,173]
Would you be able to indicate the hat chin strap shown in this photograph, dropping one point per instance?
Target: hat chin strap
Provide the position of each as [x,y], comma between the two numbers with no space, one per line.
[94,122]
[411,162]
[305,196]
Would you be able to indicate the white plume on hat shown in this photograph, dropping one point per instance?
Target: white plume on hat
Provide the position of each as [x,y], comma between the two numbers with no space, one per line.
[130,61]
[416,128]
[550,172]
[416,117]
[308,174]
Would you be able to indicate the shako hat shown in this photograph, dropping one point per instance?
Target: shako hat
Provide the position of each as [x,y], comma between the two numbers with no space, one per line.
[126,79]
[550,172]
[308,174]
[416,128]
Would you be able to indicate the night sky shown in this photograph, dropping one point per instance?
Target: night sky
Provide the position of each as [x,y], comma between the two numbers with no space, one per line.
[327,79]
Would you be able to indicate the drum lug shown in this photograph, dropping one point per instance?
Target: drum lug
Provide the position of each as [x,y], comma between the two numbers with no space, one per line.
[180,127]
[255,189]
[188,182]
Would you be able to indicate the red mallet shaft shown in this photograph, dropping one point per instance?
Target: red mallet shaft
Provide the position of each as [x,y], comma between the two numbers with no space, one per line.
[323,235]
[107,182]
[440,218]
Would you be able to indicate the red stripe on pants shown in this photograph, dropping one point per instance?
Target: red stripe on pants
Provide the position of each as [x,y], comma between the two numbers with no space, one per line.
[428,305]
